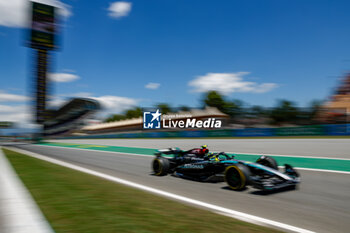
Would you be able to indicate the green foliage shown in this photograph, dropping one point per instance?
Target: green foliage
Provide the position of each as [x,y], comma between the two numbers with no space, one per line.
[133,113]
[214,99]
[164,108]
[284,112]
[231,108]
[115,117]
[315,107]
[184,108]
[129,114]
[234,108]
[256,112]
[287,112]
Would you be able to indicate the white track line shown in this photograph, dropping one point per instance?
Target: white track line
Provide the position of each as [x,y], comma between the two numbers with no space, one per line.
[319,170]
[243,153]
[125,153]
[19,212]
[222,210]
[296,156]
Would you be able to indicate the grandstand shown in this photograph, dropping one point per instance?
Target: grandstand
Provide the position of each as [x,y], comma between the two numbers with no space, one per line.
[337,109]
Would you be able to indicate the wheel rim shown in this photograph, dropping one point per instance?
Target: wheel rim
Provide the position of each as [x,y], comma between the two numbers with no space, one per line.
[157,167]
[234,178]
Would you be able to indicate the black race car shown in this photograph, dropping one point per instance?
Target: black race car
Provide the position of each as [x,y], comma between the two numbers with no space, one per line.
[263,174]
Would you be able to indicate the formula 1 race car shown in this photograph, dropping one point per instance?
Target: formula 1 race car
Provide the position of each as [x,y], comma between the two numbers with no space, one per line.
[215,167]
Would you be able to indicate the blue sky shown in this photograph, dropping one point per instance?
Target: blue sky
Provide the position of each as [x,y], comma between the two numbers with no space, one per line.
[256,51]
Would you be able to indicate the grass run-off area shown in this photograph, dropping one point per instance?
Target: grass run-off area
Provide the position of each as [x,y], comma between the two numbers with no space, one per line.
[73,201]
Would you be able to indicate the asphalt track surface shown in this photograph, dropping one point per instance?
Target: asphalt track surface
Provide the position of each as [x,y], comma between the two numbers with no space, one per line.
[321,203]
[332,148]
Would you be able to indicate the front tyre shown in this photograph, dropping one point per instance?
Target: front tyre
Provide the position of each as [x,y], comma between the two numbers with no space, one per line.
[237,176]
[160,166]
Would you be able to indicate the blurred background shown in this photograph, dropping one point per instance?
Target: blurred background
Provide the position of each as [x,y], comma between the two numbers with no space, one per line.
[78,77]
[272,68]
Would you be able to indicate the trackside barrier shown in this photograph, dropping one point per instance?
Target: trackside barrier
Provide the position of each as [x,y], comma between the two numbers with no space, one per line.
[258,132]
[172,134]
[313,130]
[338,130]
[219,133]
[191,133]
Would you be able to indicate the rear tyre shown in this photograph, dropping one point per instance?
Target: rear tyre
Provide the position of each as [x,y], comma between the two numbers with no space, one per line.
[160,166]
[237,176]
[268,162]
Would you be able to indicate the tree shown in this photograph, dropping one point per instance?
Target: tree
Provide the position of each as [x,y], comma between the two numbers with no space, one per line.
[115,117]
[164,108]
[232,108]
[214,99]
[308,115]
[315,108]
[133,113]
[184,108]
[129,114]
[255,112]
[284,112]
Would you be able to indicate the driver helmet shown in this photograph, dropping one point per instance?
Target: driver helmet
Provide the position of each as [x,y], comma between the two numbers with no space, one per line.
[205,149]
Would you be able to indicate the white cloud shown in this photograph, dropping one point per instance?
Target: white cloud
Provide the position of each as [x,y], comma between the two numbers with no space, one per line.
[16,13]
[55,103]
[20,114]
[19,118]
[59,100]
[119,9]
[68,71]
[227,83]
[77,94]
[265,87]
[110,103]
[152,86]
[81,94]
[11,109]
[63,77]
[115,104]
[6,97]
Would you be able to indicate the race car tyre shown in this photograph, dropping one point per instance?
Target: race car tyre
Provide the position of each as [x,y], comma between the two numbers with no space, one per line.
[237,176]
[160,166]
[268,162]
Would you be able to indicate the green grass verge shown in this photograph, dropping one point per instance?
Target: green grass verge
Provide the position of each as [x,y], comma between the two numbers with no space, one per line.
[76,202]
